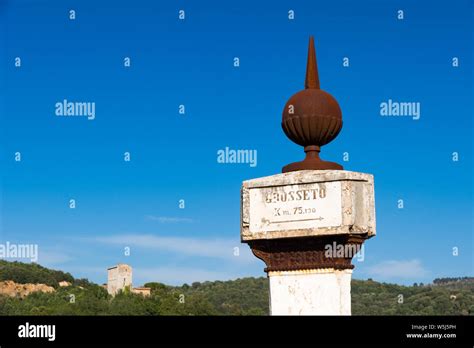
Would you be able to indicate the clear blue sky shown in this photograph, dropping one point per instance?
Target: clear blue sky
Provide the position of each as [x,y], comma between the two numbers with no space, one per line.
[174,156]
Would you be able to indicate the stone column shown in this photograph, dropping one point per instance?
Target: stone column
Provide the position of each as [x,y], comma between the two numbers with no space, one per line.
[322,291]
[306,226]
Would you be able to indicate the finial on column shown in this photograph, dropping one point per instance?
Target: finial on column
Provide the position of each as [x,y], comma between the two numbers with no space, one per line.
[311,118]
[312,78]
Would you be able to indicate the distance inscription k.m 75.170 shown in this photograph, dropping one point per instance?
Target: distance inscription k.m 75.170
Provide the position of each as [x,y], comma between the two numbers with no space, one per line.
[295,207]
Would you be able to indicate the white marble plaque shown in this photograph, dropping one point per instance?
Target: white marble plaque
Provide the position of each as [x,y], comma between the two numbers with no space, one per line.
[308,203]
[293,207]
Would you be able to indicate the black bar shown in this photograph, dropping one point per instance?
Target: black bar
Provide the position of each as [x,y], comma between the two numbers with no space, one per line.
[242,330]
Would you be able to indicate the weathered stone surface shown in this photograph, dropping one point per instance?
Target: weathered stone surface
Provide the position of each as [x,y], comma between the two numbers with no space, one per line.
[119,277]
[310,292]
[12,289]
[308,203]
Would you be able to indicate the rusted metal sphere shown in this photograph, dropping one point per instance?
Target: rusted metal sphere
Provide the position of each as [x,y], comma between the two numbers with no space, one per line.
[312,117]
